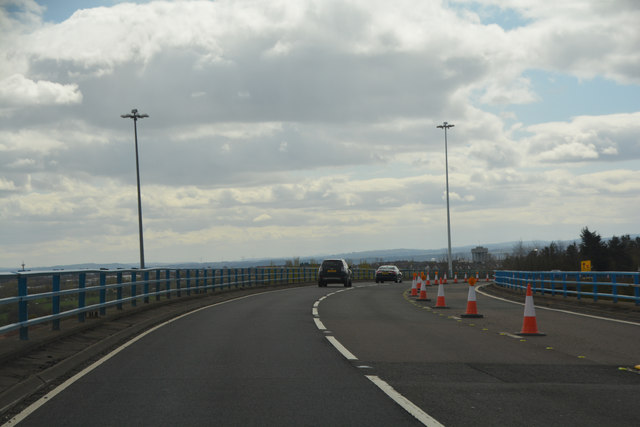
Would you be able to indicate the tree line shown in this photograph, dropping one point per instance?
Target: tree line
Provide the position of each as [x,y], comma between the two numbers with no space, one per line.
[616,254]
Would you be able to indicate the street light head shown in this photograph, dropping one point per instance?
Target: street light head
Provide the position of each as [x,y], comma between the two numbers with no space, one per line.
[134,115]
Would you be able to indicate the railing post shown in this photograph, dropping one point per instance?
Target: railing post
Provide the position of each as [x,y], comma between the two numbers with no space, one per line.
[213,280]
[204,278]
[55,301]
[82,278]
[157,285]
[103,293]
[188,281]
[178,291]
[167,277]
[145,287]
[636,290]
[119,290]
[23,307]
[133,288]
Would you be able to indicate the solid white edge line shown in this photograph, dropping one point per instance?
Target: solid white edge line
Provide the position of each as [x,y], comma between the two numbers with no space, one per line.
[405,403]
[558,310]
[47,397]
[346,353]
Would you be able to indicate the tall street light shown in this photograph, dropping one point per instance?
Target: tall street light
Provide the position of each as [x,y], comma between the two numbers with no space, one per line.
[135,116]
[446,126]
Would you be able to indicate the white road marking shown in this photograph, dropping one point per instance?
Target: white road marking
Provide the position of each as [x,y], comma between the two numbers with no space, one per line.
[405,403]
[346,353]
[314,311]
[479,290]
[511,335]
[59,389]
[319,324]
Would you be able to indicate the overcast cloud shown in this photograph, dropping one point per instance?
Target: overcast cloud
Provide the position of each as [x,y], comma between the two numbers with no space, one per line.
[294,128]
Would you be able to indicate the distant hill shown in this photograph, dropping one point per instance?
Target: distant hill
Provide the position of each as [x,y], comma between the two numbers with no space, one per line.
[498,250]
[462,252]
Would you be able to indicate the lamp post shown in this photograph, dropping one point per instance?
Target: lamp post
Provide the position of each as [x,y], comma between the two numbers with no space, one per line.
[446,126]
[135,116]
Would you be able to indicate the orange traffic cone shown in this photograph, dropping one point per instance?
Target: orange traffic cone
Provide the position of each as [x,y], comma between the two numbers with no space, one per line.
[440,301]
[435,280]
[428,279]
[472,307]
[423,292]
[529,324]
[414,286]
[444,278]
[465,278]
[487,277]
[455,277]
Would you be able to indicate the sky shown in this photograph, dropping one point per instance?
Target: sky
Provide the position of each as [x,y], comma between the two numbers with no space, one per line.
[287,128]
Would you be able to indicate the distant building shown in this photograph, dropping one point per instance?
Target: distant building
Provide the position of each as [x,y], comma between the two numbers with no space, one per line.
[480,254]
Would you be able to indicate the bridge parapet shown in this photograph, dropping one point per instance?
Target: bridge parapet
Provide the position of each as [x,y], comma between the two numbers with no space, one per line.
[597,285]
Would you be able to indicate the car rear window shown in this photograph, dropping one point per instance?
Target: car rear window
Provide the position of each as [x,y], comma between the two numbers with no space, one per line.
[332,264]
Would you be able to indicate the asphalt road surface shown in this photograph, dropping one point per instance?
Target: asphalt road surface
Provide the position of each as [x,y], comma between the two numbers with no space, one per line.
[265,360]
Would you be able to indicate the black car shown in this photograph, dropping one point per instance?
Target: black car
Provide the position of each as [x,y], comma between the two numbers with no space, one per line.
[334,271]
[388,272]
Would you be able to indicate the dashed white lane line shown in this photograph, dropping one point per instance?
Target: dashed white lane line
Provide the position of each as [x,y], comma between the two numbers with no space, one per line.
[405,403]
[319,324]
[418,413]
[346,353]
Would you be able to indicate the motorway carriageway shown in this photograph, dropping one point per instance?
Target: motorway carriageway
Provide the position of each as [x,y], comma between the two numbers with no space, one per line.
[368,355]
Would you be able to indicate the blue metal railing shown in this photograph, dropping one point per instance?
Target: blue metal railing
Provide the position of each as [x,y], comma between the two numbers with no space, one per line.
[32,298]
[610,285]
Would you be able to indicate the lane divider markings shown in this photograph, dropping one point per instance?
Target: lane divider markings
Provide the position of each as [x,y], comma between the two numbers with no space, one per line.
[404,403]
[408,405]
[346,353]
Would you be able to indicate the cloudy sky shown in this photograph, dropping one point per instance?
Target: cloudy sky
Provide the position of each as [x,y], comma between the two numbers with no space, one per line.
[302,127]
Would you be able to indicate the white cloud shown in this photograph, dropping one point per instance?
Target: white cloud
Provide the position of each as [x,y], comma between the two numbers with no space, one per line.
[17,90]
[308,126]
[612,137]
